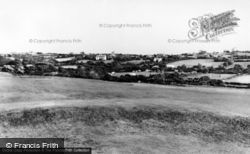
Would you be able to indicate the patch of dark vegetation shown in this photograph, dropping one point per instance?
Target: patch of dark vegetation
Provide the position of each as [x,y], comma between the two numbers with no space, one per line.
[207,126]
[28,117]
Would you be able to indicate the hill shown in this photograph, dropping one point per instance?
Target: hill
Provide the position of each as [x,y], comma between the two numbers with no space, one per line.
[126,118]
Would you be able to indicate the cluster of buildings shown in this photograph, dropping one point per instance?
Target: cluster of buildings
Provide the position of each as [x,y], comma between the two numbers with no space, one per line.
[71,61]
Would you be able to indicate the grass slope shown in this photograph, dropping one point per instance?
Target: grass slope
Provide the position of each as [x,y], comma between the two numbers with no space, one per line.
[114,128]
[124,117]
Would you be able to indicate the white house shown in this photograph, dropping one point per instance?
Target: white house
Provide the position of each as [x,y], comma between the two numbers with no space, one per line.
[101,57]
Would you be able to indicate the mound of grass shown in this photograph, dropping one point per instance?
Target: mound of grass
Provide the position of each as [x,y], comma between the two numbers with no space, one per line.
[205,125]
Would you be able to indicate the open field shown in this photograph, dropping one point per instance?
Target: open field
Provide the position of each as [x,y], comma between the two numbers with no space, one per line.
[205,62]
[126,117]
[240,79]
[193,62]
[213,76]
[144,73]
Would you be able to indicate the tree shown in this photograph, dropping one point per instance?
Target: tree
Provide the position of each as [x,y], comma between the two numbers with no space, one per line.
[3,61]
[238,68]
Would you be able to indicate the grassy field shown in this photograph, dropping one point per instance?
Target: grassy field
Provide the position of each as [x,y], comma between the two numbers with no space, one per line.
[240,79]
[144,73]
[213,76]
[126,117]
[193,62]
[205,62]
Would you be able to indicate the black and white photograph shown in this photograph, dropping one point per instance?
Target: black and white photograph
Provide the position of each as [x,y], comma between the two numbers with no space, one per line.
[125,76]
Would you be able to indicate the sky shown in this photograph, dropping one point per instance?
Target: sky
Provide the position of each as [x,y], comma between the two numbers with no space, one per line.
[92,26]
